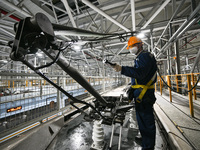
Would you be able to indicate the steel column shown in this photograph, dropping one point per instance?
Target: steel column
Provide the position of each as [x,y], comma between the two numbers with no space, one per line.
[133,14]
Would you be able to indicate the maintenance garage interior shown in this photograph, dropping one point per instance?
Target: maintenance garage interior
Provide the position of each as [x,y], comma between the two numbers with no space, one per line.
[56,73]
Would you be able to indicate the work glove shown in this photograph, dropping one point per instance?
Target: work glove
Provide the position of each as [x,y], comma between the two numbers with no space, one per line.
[117,68]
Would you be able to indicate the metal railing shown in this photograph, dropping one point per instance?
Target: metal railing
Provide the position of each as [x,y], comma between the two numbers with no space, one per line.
[25,98]
[182,84]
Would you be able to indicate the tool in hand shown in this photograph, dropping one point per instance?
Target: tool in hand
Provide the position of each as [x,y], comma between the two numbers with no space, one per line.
[105,61]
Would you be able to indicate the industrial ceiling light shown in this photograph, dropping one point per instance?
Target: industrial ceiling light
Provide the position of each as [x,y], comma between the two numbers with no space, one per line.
[3,61]
[39,54]
[76,47]
[141,35]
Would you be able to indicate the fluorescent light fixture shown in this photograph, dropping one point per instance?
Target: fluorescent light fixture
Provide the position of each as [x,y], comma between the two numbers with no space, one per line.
[3,61]
[76,47]
[141,35]
[39,54]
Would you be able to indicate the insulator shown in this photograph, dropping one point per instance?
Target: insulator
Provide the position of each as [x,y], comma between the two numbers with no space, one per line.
[97,136]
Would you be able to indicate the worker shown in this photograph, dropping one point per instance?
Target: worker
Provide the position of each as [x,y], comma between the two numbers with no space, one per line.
[143,77]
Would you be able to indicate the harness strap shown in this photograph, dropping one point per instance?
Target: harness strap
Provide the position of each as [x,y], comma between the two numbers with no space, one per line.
[144,87]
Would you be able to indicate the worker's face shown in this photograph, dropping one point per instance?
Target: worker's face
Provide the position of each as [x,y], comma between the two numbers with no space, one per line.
[133,49]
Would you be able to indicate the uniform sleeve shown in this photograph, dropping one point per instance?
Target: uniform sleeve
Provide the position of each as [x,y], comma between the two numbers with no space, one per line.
[140,70]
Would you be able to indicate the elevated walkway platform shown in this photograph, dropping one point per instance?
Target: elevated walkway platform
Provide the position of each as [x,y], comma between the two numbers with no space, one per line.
[183,130]
[176,129]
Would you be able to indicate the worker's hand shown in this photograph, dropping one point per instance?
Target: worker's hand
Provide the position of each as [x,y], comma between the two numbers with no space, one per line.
[117,68]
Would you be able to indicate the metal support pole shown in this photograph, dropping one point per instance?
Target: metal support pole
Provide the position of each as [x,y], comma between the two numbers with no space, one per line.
[160,86]
[112,133]
[120,137]
[186,63]
[170,91]
[168,62]
[151,34]
[190,96]
[177,60]
[177,83]
[103,71]
[59,106]
[133,14]
[177,63]
[169,52]
[194,89]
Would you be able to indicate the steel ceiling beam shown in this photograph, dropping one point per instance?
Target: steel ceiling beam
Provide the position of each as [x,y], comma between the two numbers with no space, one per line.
[7,22]
[5,2]
[77,7]
[54,12]
[55,7]
[3,41]
[173,16]
[10,14]
[150,13]
[7,32]
[89,25]
[119,52]
[156,13]
[34,6]
[69,12]
[190,21]
[6,27]
[117,17]
[104,14]
[189,49]
[92,12]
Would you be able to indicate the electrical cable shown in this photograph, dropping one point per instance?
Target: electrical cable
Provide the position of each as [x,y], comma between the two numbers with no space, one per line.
[180,138]
[49,64]
[189,128]
[55,60]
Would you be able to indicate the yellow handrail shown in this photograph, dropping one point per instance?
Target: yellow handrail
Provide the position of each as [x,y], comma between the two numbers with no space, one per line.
[177,81]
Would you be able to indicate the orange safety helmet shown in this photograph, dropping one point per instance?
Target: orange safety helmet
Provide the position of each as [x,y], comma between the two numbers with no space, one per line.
[133,40]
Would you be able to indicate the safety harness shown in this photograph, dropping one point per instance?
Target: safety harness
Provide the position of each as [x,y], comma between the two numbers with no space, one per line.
[144,88]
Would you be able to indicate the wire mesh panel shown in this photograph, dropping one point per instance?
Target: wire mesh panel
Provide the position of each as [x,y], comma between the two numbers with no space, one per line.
[23,99]
[26,97]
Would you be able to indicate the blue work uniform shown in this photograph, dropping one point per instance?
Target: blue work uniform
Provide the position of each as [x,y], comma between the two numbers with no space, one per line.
[143,70]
